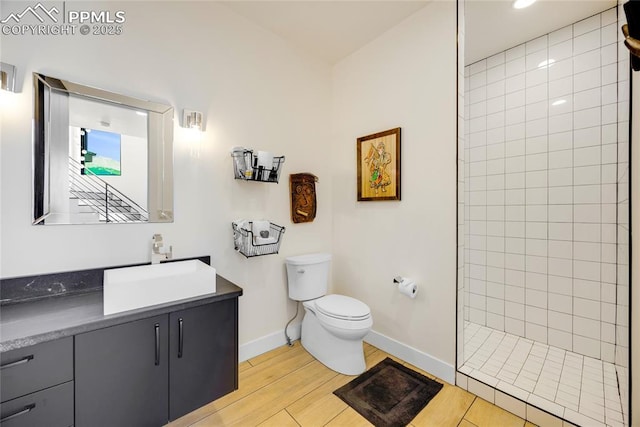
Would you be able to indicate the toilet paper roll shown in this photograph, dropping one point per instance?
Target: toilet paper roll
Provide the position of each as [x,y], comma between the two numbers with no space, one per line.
[408,288]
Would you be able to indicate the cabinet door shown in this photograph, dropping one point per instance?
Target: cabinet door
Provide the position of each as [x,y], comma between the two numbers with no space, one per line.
[203,353]
[122,375]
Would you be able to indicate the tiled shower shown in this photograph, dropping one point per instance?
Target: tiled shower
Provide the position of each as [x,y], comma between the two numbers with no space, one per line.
[545,294]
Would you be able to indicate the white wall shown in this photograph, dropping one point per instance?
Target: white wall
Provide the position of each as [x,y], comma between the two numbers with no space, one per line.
[405,78]
[253,89]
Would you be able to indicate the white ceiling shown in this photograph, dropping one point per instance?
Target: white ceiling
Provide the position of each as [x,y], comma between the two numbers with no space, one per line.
[332,29]
[492,26]
[328,30]
[87,113]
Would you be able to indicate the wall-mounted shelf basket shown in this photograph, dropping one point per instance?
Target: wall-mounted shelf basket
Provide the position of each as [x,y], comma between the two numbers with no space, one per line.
[260,166]
[250,245]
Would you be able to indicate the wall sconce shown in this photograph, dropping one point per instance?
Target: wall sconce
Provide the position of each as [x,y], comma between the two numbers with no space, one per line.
[192,119]
[8,76]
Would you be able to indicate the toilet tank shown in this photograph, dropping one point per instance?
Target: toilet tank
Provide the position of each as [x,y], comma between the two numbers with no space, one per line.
[308,276]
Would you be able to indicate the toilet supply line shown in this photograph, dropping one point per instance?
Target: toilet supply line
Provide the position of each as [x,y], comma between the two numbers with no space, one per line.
[289,343]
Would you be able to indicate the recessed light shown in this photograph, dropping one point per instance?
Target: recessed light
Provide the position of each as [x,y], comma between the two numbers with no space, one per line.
[521,4]
[559,102]
[546,63]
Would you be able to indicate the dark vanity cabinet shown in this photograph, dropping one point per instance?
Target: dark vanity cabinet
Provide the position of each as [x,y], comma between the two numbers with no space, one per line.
[150,371]
[36,385]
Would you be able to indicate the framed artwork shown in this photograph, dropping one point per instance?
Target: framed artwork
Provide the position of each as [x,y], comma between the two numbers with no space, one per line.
[378,162]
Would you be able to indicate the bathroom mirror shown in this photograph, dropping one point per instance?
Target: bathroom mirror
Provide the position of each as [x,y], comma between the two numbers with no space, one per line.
[99,157]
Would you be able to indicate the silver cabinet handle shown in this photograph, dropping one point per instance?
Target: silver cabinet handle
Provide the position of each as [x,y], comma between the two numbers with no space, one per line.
[18,362]
[180,337]
[24,411]
[157,328]
[301,270]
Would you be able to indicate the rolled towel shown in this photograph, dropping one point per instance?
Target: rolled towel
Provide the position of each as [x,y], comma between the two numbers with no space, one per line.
[260,229]
[265,241]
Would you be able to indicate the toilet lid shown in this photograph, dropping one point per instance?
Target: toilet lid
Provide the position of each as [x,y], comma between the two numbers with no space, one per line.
[343,307]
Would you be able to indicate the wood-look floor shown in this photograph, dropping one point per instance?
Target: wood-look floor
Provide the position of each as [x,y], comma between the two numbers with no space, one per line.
[288,387]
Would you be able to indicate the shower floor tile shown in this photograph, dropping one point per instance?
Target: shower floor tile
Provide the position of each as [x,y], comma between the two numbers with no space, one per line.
[569,385]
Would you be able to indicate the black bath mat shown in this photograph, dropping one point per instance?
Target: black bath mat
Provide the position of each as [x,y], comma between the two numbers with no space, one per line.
[389,394]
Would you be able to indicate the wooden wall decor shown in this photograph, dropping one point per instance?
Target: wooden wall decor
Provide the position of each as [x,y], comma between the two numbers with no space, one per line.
[302,187]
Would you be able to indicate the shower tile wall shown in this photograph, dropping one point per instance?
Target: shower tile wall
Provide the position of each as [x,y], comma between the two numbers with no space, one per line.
[541,176]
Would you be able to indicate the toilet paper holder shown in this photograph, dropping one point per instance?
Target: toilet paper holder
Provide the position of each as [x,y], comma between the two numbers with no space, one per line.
[406,286]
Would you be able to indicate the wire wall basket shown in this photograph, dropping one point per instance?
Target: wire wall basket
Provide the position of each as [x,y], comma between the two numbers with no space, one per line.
[251,245]
[261,166]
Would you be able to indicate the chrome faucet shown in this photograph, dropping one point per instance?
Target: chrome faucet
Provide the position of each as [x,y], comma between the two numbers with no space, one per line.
[157,254]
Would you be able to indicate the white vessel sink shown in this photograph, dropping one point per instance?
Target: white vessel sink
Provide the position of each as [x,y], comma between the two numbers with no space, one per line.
[146,285]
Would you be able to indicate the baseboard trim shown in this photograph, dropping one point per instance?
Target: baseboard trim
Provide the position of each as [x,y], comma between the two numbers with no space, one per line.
[402,351]
[268,342]
[414,356]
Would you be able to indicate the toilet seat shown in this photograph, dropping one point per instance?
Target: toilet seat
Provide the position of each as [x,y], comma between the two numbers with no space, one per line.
[342,307]
[341,312]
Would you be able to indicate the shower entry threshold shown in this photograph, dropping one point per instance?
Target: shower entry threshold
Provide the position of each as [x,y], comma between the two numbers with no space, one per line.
[580,389]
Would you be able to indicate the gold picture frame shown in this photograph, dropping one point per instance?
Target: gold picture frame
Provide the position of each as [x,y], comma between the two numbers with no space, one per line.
[378,163]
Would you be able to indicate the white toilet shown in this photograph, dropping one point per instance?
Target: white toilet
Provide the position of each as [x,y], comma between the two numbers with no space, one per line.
[333,325]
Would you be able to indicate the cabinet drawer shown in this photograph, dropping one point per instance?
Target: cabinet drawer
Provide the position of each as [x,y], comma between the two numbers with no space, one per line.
[52,407]
[34,368]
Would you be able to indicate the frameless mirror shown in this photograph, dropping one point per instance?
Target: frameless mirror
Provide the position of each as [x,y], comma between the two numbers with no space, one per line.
[99,157]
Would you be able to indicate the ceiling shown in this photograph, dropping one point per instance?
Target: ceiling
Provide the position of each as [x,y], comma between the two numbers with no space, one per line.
[328,30]
[92,114]
[332,29]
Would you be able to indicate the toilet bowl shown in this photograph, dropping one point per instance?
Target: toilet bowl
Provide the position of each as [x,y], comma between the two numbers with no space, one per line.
[334,325]
[335,340]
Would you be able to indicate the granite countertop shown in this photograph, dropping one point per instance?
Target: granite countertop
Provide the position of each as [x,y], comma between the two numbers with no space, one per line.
[32,322]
